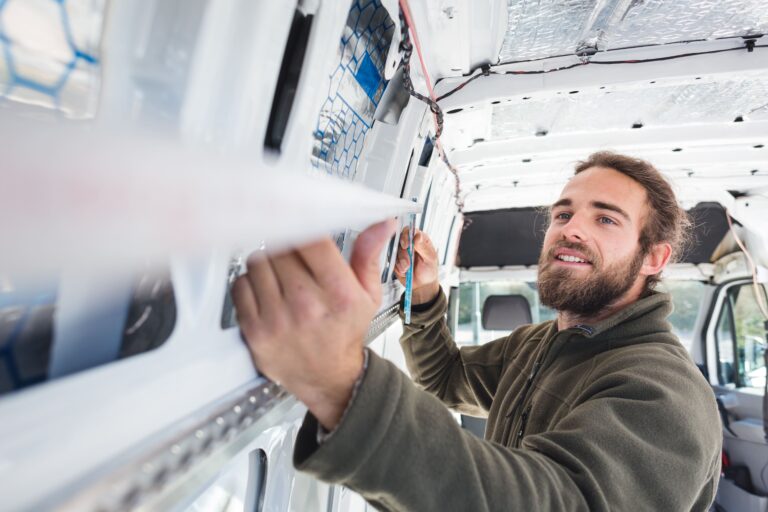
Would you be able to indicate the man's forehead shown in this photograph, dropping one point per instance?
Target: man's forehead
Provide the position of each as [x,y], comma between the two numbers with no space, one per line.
[605,182]
[602,185]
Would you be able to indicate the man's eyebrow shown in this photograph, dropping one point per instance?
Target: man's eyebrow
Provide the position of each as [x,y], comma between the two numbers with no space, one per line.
[600,205]
[561,202]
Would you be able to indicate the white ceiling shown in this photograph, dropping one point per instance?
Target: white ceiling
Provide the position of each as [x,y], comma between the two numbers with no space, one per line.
[515,137]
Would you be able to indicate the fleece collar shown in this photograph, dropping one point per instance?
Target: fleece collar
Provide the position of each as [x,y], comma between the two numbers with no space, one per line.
[644,316]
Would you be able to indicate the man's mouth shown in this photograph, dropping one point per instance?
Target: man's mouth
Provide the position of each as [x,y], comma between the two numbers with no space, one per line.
[570,259]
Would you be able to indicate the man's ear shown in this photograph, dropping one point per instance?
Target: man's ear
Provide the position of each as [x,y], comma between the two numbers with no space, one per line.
[656,259]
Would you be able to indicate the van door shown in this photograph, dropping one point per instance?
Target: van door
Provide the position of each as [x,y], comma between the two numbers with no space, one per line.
[736,337]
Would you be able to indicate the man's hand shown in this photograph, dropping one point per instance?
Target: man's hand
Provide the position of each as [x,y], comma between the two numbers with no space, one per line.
[304,315]
[426,284]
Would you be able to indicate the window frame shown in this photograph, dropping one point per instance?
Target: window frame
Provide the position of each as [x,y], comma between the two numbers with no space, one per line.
[725,298]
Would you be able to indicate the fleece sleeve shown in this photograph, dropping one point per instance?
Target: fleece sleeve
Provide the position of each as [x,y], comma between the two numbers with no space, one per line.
[400,449]
[463,379]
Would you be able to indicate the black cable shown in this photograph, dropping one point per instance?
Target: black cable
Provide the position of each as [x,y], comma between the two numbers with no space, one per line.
[603,62]
[633,47]
[678,56]
[407,48]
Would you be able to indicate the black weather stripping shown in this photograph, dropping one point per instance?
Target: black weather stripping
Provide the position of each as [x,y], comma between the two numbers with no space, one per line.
[288,79]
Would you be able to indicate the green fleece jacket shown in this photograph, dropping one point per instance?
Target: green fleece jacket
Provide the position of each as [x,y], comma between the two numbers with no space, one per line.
[613,416]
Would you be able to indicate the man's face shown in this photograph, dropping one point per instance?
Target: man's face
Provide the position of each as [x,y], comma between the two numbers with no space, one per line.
[591,254]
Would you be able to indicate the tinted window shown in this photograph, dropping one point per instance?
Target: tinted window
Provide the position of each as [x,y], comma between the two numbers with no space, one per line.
[32,351]
[741,338]
[687,297]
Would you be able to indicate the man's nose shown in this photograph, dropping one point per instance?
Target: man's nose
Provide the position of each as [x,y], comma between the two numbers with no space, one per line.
[574,230]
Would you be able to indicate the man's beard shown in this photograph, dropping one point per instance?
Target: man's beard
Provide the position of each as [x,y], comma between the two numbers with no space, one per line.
[562,289]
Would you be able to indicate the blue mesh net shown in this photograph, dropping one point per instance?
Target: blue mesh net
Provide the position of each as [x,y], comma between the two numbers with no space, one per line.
[59,73]
[355,87]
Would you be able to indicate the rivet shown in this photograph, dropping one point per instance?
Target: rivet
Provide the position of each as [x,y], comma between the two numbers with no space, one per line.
[238,409]
[199,434]
[175,449]
[219,421]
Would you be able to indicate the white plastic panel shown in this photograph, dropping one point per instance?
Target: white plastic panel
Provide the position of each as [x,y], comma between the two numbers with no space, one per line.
[538,29]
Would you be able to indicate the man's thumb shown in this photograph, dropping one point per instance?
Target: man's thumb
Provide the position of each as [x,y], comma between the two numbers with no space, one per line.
[365,256]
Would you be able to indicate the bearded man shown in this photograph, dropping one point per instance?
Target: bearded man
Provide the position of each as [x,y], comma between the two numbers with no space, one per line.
[600,409]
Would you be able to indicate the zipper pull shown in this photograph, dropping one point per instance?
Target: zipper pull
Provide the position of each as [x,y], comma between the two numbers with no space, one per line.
[523,421]
[535,369]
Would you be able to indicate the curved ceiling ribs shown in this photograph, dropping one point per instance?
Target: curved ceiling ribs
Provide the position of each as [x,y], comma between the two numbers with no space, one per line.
[701,118]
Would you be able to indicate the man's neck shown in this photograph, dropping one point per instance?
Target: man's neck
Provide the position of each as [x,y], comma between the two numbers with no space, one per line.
[567,319]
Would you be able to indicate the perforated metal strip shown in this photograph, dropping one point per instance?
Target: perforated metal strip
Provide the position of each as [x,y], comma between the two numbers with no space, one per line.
[226,424]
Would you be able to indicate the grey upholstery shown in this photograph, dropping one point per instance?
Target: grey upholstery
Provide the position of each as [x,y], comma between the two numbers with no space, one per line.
[500,313]
[474,425]
[505,312]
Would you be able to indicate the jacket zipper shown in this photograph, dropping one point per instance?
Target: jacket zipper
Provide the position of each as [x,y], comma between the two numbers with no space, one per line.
[528,383]
[523,422]
[524,395]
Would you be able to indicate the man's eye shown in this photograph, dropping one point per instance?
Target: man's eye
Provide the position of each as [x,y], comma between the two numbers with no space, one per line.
[563,216]
[606,220]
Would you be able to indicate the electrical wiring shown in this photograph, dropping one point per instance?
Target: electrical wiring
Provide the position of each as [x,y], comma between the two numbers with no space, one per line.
[407,26]
[486,71]
[753,37]
[760,297]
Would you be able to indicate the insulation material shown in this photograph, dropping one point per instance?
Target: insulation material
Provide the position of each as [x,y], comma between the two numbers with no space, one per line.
[701,101]
[546,28]
[49,54]
[660,21]
[355,87]
[540,29]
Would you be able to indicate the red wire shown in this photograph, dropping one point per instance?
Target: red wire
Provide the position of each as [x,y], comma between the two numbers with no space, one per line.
[417,44]
[438,142]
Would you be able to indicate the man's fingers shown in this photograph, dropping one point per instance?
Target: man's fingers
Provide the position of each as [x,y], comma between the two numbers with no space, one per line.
[265,287]
[326,264]
[365,256]
[245,305]
[297,284]
[422,245]
[404,237]
[402,263]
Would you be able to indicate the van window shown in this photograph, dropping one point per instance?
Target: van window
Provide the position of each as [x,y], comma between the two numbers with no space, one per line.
[472,295]
[687,297]
[133,321]
[741,338]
